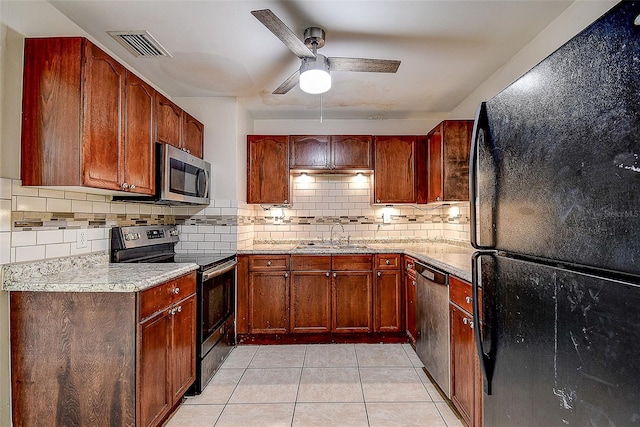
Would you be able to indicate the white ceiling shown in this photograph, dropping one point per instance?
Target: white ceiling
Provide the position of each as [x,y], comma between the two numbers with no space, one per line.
[218,48]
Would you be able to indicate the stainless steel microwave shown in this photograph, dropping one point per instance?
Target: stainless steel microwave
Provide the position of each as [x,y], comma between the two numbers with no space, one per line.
[183,178]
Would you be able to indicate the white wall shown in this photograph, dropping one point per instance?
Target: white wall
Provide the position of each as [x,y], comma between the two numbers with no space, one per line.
[572,21]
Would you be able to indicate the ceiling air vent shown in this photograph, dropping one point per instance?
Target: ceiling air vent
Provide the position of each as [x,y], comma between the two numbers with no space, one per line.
[139,43]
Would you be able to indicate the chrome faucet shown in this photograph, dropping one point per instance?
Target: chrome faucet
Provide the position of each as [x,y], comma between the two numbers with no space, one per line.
[331,230]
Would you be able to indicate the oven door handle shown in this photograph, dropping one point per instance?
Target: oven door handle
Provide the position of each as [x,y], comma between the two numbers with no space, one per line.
[218,270]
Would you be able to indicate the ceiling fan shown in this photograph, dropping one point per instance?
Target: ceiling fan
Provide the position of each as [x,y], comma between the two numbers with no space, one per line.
[313,74]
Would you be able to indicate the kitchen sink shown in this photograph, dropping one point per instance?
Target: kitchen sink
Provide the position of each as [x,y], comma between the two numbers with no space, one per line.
[312,245]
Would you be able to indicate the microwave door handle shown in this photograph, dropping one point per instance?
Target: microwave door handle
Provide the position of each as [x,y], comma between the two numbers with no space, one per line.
[206,183]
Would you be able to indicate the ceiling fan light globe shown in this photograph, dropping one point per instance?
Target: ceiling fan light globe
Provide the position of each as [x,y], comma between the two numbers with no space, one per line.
[315,81]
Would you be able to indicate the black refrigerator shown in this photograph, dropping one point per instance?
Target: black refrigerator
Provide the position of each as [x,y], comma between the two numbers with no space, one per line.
[555,205]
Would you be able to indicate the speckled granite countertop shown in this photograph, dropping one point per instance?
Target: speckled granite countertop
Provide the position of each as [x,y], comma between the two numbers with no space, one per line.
[88,273]
[453,259]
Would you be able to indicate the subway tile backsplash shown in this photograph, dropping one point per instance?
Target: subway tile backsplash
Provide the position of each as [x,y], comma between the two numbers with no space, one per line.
[39,223]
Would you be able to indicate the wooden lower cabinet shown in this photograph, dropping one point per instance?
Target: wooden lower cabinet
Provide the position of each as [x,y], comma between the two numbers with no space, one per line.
[310,294]
[269,302]
[466,381]
[351,301]
[82,358]
[387,294]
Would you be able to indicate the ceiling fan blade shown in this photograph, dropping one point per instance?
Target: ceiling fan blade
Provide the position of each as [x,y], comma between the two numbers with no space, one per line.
[363,65]
[288,84]
[284,33]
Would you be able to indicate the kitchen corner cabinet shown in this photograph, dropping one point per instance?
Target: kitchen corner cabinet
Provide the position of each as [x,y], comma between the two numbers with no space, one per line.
[339,153]
[192,135]
[448,153]
[268,180]
[351,304]
[400,172]
[387,294]
[310,293]
[268,294]
[466,386]
[102,359]
[86,121]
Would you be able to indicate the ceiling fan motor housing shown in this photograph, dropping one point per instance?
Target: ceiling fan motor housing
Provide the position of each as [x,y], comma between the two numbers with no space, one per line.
[314,35]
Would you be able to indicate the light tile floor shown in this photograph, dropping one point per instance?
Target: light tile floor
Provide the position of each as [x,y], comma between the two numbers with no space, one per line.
[318,385]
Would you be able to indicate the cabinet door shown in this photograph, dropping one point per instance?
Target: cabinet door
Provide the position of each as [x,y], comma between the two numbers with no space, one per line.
[394,169]
[351,301]
[183,362]
[192,135]
[310,301]
[268,169]
[104,81]
[352,152]
[462,362]
[387,301]
[139,153]
[168,122]
[309,152]
[457,147]
[268,302]
[410,308]
[435,172]
[155,347]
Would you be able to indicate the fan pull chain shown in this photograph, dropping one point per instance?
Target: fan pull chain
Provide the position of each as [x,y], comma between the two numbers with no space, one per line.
[321,108]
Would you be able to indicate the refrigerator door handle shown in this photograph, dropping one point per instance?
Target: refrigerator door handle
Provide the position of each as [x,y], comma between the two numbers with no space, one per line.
[479,138]
[483,330]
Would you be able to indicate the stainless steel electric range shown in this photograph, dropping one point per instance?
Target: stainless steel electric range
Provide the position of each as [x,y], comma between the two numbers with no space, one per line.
[216,278]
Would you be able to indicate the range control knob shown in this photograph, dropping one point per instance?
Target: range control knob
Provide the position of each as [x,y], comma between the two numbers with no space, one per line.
[131,236]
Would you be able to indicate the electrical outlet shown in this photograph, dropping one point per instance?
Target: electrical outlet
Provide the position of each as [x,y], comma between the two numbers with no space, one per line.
[81,239]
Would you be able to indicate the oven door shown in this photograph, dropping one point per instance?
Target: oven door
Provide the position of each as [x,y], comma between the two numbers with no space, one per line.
[218,302]
[185,178]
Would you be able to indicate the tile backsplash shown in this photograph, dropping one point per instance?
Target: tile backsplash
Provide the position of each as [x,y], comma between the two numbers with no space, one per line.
[40,223]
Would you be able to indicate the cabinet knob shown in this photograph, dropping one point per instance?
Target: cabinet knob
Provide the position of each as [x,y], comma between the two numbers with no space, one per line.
[176,291]
[188,151]
[409,266]
[438,198]
[286,275]
[471,324]
[379,274]
[413,282]
[387,262]
[172,311]
[377,200]
[465,321]
[132,186]
[327,274]
[269,263]
[179,309]
[335,274]
[124,186]
[286,201]
[468,299]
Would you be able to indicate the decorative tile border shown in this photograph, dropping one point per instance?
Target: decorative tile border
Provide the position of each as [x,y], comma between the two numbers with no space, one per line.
[37,221]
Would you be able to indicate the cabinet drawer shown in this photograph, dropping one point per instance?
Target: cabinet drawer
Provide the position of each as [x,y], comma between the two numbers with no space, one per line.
[162,296]
[310,263]
[268,262]
[387,261]
[460,293]
[351,262]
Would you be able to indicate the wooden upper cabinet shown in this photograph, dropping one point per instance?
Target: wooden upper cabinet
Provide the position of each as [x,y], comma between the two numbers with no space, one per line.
[82,124]
[139,153]
[352,152]
[169,121]
[448,173]
[309,152]
[192,135]
[400,169]
[268,179]
[331,153]
[178,128]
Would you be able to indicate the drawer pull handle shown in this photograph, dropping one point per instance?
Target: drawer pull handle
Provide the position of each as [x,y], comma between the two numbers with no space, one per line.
[176,291]
[468,299]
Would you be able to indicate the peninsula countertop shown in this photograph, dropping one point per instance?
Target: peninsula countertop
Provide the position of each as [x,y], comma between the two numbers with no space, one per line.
[453,259]
[89,273]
